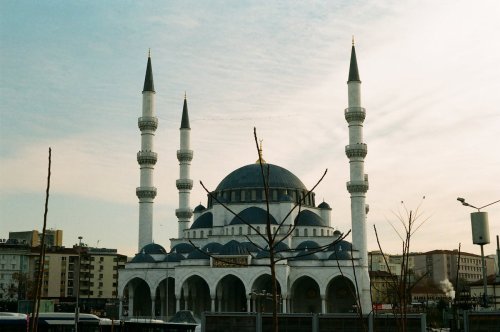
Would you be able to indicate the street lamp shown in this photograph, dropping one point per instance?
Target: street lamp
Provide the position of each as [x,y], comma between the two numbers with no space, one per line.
[77,307]
[480,236]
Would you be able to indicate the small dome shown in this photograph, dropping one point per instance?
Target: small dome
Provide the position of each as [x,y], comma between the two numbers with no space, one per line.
[199,208]
[153,249]
[340,246]
[308,245]
[253,215]
[203,221]
[212,247]
[304,255]
[233,247]
[308,218]
[142,258]
[324,205]
[183,248]
[250,246]
[265,254]
[174,257]
[197,254]
[340,255]
[282,246]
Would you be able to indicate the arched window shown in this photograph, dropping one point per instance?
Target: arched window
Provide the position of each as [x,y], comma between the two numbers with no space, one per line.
[322,232]
[249,230]
[314,232]
[232,230]
[194,234]
[305,232]
[297,233]
[240,231]
[258,229]
[202,234]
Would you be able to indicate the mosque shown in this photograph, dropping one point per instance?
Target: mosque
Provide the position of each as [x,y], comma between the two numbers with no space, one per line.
[219,260]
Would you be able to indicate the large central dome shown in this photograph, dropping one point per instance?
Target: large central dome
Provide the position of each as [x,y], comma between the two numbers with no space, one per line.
[250,176]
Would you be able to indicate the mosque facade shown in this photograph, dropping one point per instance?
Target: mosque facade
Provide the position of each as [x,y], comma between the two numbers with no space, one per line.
[219,260]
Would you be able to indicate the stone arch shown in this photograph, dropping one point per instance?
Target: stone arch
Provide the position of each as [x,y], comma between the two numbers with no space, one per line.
[231,294]
[259,301]
[340,295]
[139,297]
[165,297]
[195,295]
[305,296]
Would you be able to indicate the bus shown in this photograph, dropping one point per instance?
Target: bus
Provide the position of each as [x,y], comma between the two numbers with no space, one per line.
[13,322]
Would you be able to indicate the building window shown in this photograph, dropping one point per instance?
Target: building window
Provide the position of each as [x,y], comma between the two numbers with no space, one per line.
[305,232]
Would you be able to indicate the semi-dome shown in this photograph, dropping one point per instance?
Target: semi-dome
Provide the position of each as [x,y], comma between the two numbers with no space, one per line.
[308,218]
[250,176]
[305,255]
[250,246]
[252,215]
[204,221]
[153,249]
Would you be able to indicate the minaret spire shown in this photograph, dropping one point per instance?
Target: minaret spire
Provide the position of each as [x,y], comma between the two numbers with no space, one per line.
[146,159]
[358,184]
[184,183]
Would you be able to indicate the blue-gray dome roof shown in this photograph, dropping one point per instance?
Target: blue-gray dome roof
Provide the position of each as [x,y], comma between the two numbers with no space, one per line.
[199,208]
[253,215]
[308,245]
[340,255]
[250,246]
[174,257]
[197,254]
[340,246]
[265,254]
[212,247]
[233,247]
[324,205]
[153,249]
[250,176]
[183,248]
[282,246]
[204,221]
[286,198]
[308,218]
[304,255]
[142,258]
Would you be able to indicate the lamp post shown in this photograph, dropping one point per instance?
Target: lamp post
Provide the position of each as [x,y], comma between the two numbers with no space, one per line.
[77,307]
[480,236]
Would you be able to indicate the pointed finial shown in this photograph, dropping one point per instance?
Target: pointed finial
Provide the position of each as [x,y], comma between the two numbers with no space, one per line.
[149,53]
[260,154]
[352,40]
[185,95]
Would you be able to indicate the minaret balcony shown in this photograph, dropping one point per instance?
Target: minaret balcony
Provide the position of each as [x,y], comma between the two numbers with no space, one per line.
[183,213]
[356,150]
[357,186]
[355,114]
[148,123]
[184,155]
[145,192]
[147,157]
[184,184]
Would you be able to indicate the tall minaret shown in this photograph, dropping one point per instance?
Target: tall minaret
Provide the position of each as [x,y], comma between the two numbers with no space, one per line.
[147,159]
[358,184]
[184,184]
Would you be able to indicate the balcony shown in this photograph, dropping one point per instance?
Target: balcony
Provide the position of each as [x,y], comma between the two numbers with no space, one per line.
[355,114]
[357,186]
[356,150]
[185,184]
[184,155]
[148,123]
[145,192]
[147,157]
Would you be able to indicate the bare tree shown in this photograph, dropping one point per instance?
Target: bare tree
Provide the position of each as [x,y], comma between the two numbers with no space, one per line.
[411,221]
[273,237]
[41,261]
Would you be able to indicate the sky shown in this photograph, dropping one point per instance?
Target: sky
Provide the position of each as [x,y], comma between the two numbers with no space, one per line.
[71,76]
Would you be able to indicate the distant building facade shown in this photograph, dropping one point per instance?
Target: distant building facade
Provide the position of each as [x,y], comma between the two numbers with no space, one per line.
[444,264]
[53,237]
